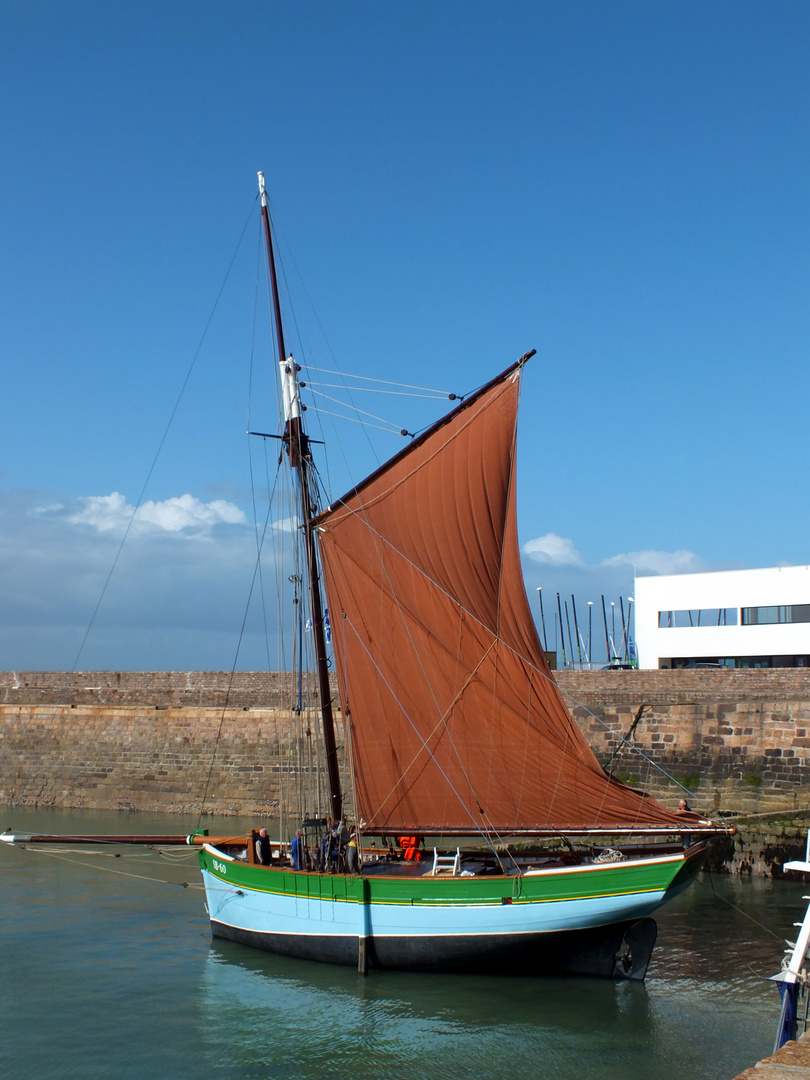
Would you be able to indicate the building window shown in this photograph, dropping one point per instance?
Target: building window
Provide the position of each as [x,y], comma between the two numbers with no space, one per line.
[699,617]
[786,613]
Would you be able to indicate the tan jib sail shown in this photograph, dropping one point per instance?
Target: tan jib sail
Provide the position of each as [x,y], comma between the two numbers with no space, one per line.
[455,721]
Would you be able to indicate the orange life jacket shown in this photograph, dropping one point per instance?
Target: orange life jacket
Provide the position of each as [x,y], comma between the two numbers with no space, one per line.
[410,847]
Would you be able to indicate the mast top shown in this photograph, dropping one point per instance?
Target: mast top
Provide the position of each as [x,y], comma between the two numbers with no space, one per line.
[262,189]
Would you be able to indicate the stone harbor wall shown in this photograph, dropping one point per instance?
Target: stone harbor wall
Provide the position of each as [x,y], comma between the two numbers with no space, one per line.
[166,742]
[736,742]
[163,759]
[762,845]
[159,689]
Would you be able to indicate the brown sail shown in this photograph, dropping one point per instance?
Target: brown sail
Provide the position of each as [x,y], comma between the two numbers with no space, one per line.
[455,721]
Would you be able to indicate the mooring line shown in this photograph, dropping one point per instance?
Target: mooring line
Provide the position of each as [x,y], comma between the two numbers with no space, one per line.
[108,869]
[732,905]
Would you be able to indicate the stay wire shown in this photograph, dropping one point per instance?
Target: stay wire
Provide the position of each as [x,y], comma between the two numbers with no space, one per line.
[710,887]
[108,869]
[394,428]
[635,749]
[160,446]
[255,577]
[430,396]
[382,382]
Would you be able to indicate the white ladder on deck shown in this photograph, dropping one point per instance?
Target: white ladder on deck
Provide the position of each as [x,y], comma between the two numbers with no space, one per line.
[446,864]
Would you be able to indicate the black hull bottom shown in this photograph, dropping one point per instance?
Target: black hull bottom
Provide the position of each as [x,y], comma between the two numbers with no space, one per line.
[621,950]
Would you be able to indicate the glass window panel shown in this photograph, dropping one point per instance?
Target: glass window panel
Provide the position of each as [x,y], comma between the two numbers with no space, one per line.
[699,617]
[782,613]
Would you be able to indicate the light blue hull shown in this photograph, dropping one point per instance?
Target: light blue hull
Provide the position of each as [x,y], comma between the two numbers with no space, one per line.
[440,923]
[265,913]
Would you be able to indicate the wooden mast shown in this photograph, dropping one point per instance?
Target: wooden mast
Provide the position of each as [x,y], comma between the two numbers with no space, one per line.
[297,446]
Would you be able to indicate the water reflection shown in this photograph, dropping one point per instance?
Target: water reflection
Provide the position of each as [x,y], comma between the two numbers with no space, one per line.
[323,1021]
[111,964]
[704,1010]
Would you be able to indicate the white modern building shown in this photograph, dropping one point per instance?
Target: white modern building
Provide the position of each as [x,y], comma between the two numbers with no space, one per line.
[736,618]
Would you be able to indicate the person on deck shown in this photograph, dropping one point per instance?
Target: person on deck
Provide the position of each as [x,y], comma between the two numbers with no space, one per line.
[684,808]
[352,855]
[297,851]
[337,843]
[263,853]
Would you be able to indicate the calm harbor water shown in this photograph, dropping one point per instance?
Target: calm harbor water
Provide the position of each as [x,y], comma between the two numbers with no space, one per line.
[108,971]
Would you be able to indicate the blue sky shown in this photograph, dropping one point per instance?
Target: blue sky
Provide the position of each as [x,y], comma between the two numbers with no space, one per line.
[622,186]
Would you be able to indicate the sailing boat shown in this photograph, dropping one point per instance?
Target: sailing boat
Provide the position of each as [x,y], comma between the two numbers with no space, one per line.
[455,732]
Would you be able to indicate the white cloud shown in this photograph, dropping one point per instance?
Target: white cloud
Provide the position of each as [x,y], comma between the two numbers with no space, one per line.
[285,525]
[168,605]
[566,578]
[553,549]
[659,562]
[112,513]
[186,511]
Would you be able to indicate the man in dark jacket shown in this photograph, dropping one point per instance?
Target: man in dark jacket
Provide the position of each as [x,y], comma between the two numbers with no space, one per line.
[263,856]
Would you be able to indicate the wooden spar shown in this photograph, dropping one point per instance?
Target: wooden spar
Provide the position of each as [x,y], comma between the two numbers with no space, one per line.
[692,823]
[193,840]
[297,445]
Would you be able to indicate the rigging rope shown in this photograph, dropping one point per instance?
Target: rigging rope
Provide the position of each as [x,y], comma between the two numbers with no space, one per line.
[256,571]
[160,446]
[361,412]
[710,887]
[60,855]
[633,747]
[373,390]
[355,420]
[382,382]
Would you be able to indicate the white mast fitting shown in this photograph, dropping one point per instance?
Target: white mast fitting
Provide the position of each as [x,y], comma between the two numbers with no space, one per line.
[290,391]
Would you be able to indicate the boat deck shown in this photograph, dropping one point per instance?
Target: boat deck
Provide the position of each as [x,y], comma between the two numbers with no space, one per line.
[473,864]
[416,869]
